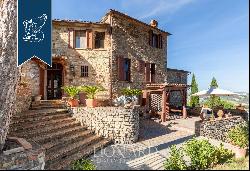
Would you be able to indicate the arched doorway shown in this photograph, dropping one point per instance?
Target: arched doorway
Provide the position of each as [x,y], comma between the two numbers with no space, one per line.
[54,81]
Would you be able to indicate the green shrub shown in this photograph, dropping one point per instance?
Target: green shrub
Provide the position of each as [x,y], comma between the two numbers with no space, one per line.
[72,91]
[217,102]
[131,92]
[91,91]
[83,165]
[227,104]
[175,161]
[223,155]
[239,135]
[202,154]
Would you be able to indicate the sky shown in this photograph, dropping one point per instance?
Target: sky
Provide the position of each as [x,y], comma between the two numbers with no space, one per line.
[210,38]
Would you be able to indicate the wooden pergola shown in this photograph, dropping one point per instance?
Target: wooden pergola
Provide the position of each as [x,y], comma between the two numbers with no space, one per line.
[164,90]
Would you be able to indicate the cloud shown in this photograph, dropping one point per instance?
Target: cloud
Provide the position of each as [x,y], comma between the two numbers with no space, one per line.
[155,8]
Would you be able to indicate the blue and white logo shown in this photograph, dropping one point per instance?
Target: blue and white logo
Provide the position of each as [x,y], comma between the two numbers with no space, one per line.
[33,29]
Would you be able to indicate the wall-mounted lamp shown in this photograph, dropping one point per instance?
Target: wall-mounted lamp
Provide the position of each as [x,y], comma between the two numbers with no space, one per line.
[72,69]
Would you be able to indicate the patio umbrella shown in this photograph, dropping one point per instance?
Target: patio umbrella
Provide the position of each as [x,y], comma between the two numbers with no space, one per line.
[214,91]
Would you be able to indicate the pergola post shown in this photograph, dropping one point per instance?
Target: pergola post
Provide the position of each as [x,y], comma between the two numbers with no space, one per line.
[163,102]
[184,103]
[146,95]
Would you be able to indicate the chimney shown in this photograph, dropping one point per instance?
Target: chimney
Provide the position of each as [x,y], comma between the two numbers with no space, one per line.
[154,23]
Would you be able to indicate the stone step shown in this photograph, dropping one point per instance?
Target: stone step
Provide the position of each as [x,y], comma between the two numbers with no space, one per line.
[38,113]
[75,136]
[39,125]
[42,117]
[48,102]
[46,107]
[46,130]
[65,163]
[50,105]
[41,139]
[63,151]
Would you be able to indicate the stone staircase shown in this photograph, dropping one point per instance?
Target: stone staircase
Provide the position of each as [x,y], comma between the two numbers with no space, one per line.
[49,124]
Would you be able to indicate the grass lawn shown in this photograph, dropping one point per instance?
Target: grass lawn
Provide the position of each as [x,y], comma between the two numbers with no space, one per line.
[239,164]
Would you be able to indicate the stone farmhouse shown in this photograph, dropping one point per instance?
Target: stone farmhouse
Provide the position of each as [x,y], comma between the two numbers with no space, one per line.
[117,52]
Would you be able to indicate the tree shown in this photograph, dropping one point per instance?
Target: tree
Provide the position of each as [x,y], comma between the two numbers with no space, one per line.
[214,83]
[194,101]
[215,101]
[8,64]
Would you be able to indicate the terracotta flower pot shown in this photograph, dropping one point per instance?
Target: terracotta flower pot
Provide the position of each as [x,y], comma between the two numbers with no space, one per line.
[239,152]
[73,102]
[91,102]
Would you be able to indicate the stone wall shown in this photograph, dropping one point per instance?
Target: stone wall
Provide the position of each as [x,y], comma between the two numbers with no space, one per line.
[195,111]
[24,157]
[122,38]
[23,97]
[97,60]
[217,129]
[30,74]
[117,123]
[177,77]
[131,40]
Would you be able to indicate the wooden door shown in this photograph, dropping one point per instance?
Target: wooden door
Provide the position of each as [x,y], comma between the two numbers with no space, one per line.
[54,82]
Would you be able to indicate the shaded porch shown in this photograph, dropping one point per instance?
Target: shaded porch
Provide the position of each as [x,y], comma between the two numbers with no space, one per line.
[157,99]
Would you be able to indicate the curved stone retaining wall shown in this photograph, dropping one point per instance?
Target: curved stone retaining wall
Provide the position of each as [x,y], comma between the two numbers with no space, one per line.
[117,123]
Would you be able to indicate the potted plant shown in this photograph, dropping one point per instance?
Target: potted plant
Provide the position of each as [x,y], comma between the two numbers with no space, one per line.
[72,91]
[132,95]
[91,91]
[238,136]
[220,114]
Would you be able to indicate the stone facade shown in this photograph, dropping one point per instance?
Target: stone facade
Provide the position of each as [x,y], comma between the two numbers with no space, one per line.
[175,76]
[97,60]
[124,37]
[217,129]
[119,124]
[131,40]
[23,97]
[30,74]
[25,157]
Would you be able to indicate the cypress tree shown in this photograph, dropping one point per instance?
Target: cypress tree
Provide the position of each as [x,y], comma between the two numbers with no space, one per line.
[214,83]
[215,101]
[194,101]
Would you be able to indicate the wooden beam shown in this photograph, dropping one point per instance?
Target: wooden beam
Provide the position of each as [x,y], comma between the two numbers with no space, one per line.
[147,95]
[184,110]
[164,100]
[168,104]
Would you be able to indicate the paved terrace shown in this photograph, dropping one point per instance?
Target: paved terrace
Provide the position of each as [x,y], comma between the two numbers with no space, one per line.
[151,150]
